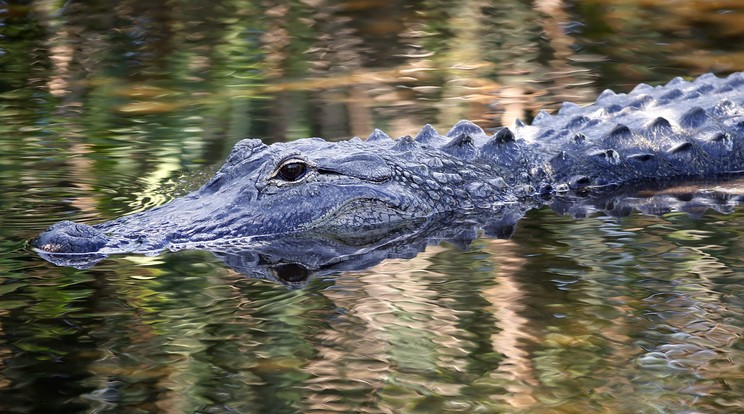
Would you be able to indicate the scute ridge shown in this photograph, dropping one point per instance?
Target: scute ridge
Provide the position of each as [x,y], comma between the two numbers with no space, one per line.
[378,136]
[465,127]
[666,131]
[462,146]
[428,135]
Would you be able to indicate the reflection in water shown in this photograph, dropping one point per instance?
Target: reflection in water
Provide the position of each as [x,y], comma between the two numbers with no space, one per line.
[662,322]
[102,107]
[441,328]
[441,331]
[445,331]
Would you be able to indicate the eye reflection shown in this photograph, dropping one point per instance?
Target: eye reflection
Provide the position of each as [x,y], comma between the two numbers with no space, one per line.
[291,272]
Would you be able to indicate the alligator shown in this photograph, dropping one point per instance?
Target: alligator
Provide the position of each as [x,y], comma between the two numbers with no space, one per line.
[284,258]
[360,189]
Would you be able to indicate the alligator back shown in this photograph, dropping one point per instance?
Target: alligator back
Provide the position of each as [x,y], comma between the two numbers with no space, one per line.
[679,130]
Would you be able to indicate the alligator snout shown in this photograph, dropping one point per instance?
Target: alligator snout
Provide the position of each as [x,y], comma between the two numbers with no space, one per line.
[70,237]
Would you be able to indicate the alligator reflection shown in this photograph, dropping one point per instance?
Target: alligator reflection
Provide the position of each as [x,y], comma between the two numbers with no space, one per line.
[294,259]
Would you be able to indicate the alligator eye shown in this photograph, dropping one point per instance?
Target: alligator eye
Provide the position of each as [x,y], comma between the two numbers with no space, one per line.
[292,171]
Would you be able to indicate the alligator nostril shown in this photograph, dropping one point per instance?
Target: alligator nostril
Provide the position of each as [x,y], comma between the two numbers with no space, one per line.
[70,237]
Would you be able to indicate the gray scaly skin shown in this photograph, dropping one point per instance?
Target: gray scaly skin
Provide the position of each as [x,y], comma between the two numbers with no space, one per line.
[680,131]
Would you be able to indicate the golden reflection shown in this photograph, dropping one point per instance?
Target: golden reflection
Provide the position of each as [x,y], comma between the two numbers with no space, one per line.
[412,72]
[507,298]
[403,327]
[61,54]
[658,326]
[5,355]
[704,60]
[397,327]
[81,166]
[150,107]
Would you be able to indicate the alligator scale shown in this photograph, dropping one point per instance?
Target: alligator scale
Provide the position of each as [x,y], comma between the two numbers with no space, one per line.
[672,133]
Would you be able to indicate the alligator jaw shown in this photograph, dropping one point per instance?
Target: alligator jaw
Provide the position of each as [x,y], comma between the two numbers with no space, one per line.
[70,237]
[81,246]
[71,244]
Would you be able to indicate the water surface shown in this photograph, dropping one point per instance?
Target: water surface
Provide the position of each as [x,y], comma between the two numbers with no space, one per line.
[110,109]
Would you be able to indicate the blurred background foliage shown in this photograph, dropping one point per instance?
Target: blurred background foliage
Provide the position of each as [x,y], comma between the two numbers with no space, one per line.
[105,104]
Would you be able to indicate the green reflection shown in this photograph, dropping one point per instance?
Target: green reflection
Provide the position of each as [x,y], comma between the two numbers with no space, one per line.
[104,106]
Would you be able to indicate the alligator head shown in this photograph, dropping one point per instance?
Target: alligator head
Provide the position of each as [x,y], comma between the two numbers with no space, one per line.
[309,185]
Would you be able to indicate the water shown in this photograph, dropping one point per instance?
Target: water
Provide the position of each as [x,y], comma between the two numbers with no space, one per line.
[108,110]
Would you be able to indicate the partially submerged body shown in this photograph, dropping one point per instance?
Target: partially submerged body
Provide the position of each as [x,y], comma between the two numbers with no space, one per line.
[669,134]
